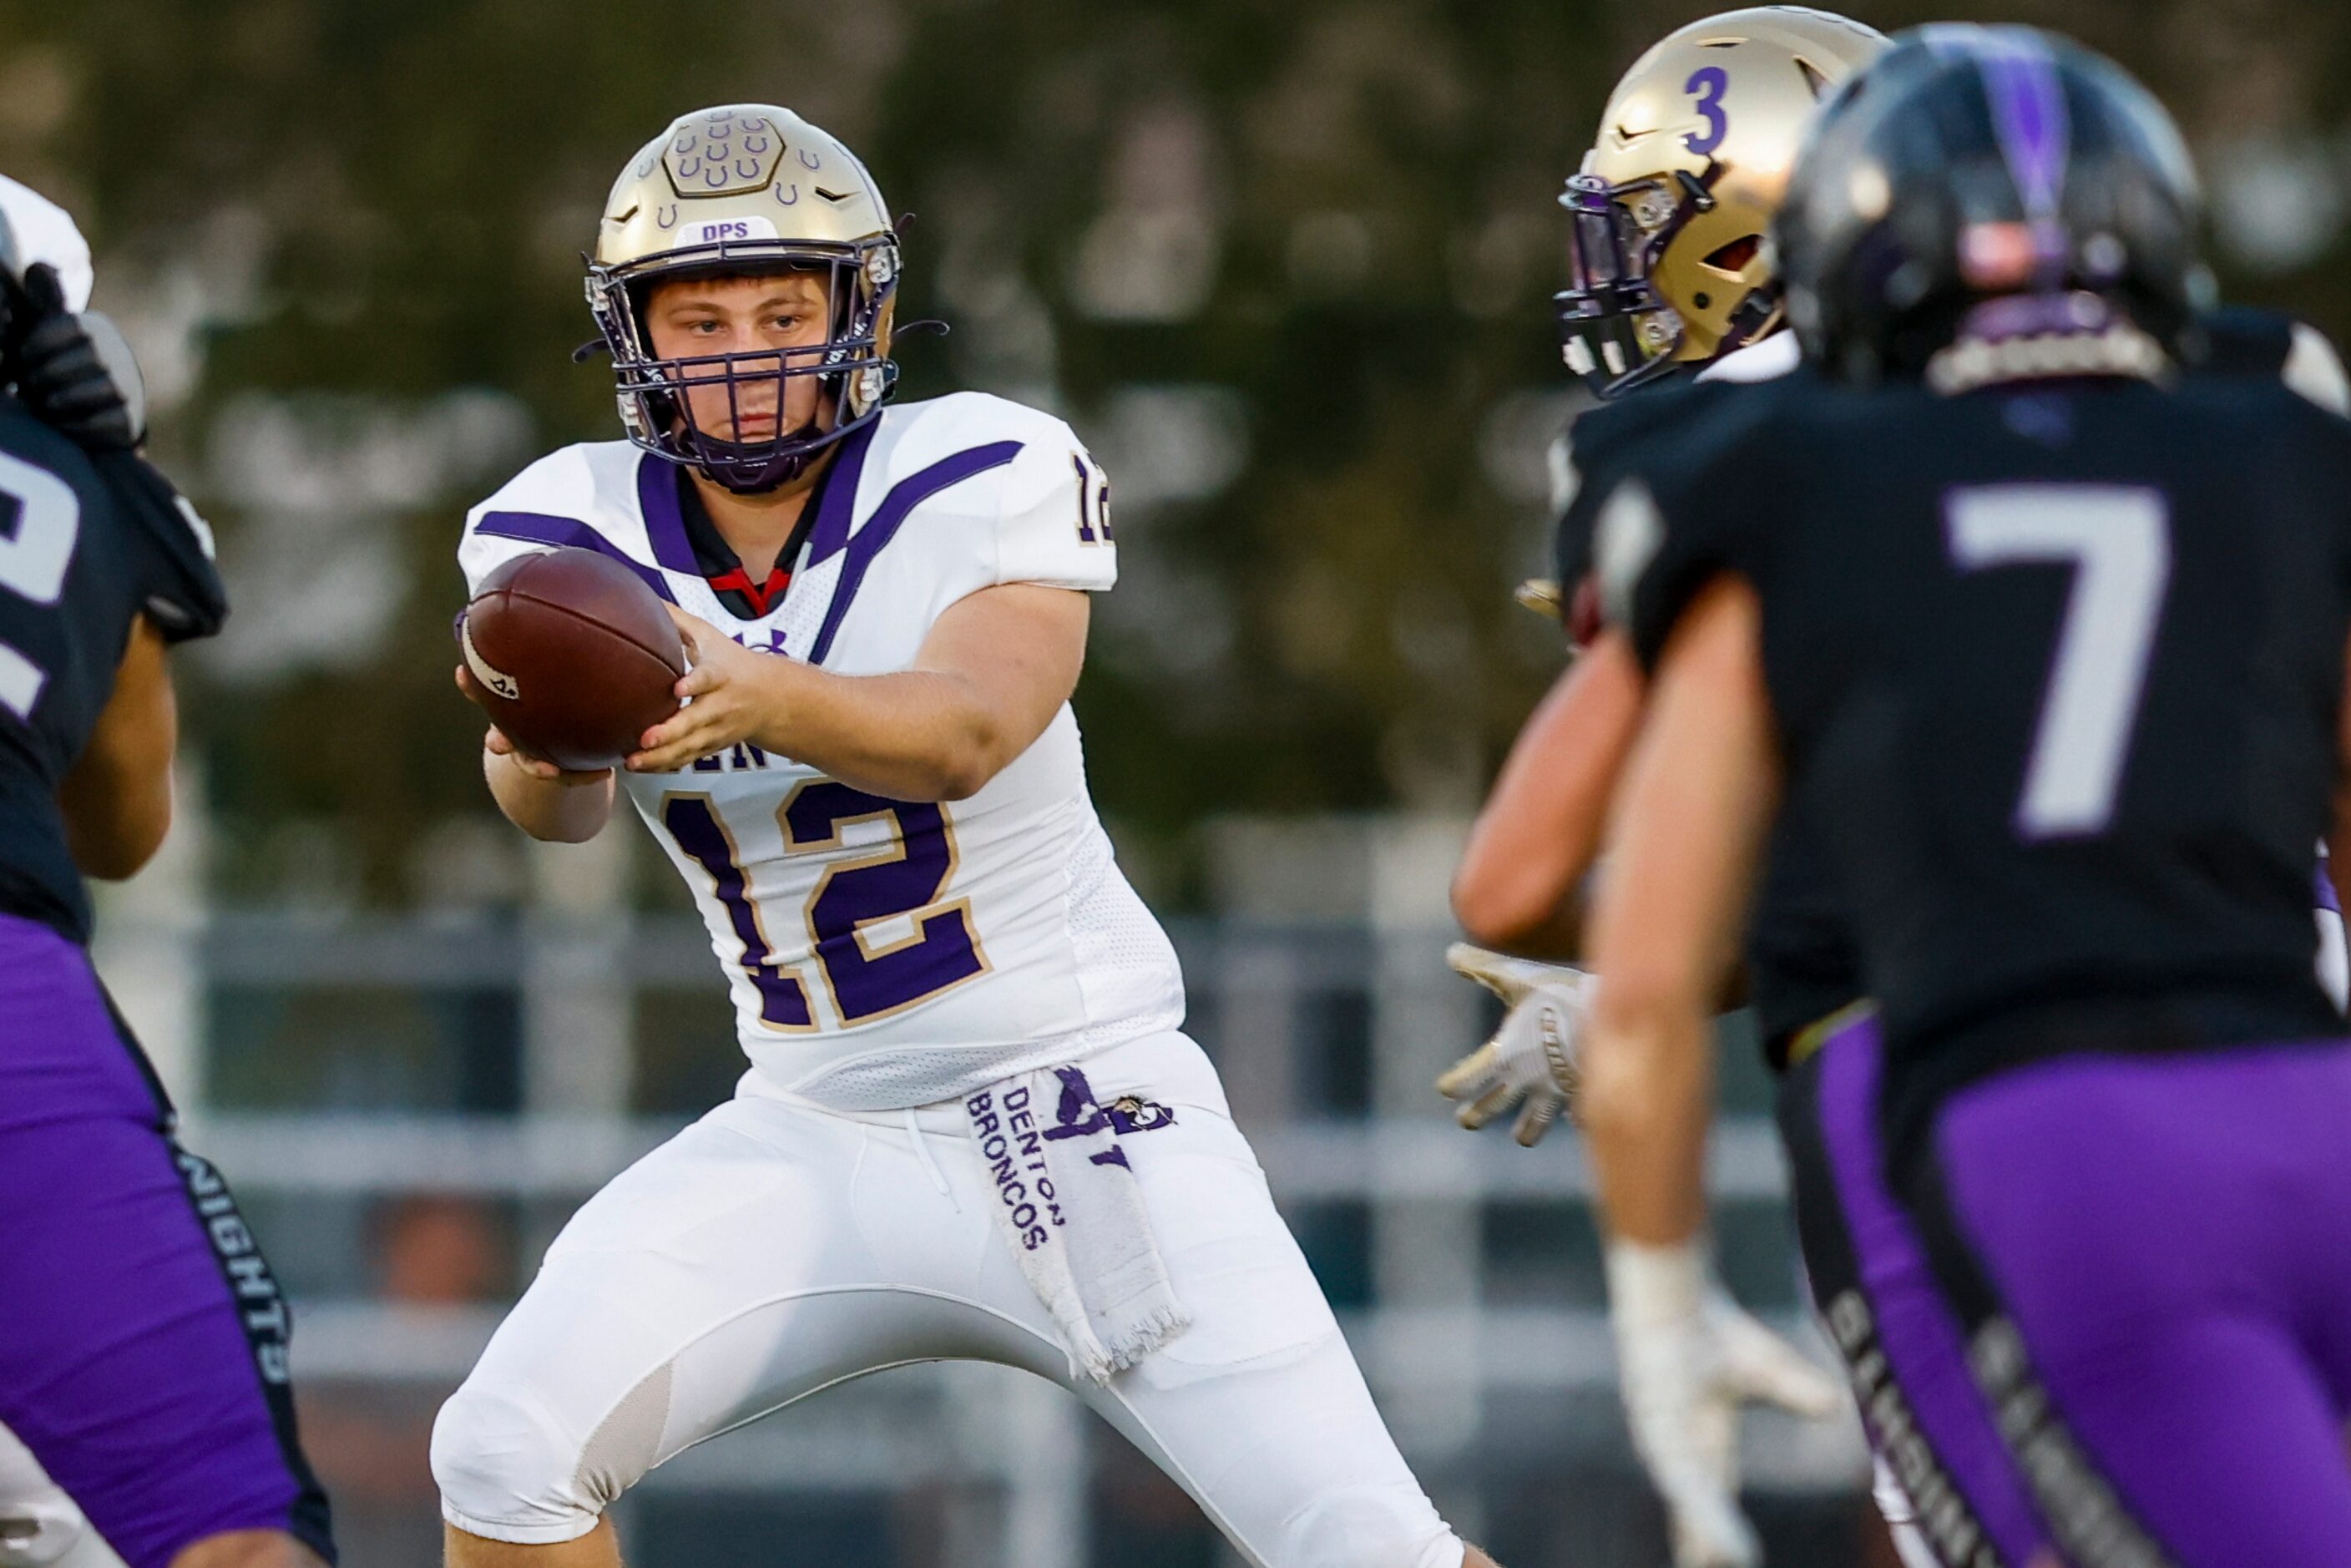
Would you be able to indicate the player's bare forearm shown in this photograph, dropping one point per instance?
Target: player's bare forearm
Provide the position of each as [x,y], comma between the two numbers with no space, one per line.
[556,807]
[1698,796]
[542,800]
[1647,1100]
[1519,885]
[915,734]
[995,669]
[117,801]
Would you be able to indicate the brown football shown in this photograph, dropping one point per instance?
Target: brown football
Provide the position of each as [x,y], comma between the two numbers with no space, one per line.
[574,656]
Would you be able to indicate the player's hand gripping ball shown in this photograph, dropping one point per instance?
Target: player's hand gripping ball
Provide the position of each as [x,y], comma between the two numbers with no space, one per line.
[573,656]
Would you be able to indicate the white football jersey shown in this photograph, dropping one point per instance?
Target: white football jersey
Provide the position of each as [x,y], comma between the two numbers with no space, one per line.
[886,954]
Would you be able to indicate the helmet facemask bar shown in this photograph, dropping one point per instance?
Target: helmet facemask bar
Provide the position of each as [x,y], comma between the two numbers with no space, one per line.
[855,373]
[1616,329]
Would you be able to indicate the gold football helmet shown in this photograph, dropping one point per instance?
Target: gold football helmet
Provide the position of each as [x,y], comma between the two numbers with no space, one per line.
[746,188]
[1670,211]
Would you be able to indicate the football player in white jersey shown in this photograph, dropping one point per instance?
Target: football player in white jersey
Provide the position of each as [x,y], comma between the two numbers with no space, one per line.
[972,1128]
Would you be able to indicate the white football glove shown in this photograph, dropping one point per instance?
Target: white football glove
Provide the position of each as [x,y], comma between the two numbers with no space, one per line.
[1689,1356]
[1532,1057]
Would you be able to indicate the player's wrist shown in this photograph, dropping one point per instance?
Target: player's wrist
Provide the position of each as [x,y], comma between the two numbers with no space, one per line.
[780,687]
[521,766]
[1653,1286]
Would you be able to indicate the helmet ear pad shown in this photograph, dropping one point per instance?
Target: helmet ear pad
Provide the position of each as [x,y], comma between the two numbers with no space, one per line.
[1691,275]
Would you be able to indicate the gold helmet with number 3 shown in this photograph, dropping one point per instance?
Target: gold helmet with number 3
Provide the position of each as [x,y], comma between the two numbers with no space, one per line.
[1670,211]
[746,188]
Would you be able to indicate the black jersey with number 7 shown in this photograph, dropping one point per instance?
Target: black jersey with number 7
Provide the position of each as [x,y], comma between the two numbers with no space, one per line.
[2055,669]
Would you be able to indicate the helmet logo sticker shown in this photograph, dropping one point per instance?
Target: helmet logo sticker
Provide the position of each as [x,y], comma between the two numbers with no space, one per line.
[1707,87]
[720,231]
[725,153]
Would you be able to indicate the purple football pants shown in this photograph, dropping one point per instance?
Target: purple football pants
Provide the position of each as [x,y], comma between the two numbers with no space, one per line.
[2106,1319]
[142,1338]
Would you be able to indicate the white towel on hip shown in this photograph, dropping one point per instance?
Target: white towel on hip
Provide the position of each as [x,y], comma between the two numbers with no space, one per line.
[1070,1207]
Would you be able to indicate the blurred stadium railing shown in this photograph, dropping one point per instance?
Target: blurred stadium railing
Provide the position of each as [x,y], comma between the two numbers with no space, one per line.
[410,1105]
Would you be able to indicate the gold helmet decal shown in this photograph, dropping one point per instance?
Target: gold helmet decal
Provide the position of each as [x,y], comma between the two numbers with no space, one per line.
[746,188]
[1670,211]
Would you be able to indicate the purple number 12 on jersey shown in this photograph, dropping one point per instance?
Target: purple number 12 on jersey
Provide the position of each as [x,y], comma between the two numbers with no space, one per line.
[695,824]
[904,878]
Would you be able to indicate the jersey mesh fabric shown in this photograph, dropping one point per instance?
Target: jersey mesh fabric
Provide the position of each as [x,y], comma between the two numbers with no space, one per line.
[1120,944]
[802,613]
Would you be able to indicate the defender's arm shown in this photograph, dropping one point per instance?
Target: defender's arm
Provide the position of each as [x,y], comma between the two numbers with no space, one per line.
[1519,885]
[1698,798]
[118,800]
[1689,823]
[996,667]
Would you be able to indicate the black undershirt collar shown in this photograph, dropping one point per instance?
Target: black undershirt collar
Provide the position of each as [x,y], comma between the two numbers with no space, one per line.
[722,570]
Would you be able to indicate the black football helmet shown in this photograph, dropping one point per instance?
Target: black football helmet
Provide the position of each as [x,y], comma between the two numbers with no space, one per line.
[1995,194]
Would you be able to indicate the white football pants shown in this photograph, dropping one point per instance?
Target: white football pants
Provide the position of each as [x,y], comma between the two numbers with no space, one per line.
[774,1249]
[39,1525]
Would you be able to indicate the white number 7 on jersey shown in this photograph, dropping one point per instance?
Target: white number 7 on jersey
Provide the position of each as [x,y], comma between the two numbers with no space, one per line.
[2118,542]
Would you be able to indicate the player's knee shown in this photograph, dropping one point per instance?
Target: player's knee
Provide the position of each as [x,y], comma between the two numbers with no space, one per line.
[43,1530]
[1386,1526]
[39,1525]
[504,1468]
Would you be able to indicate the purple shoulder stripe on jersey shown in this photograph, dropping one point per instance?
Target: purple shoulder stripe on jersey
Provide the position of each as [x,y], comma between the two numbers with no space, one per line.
[569,533]
[2326,898]
[838,500]
[657,483]
[904,497]
[2027,115]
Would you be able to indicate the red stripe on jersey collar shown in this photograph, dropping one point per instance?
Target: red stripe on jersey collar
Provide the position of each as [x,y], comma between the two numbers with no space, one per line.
[762,596]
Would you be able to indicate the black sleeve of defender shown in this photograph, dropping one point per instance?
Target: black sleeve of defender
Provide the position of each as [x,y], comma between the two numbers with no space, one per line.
[1667,528]
[1604,447]
[180,583]
[2239,340]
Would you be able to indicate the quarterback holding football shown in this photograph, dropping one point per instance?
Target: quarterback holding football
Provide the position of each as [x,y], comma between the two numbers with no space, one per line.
[972,1128]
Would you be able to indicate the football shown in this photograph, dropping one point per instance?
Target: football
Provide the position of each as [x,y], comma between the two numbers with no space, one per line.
[574,656]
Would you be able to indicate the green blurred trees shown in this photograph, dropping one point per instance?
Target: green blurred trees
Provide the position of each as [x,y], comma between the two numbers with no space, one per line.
[1353,200]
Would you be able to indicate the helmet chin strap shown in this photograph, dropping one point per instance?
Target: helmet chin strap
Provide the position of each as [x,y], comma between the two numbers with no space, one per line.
[713,455]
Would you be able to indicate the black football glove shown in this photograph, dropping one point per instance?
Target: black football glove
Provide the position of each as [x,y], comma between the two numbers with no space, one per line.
[75,372]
